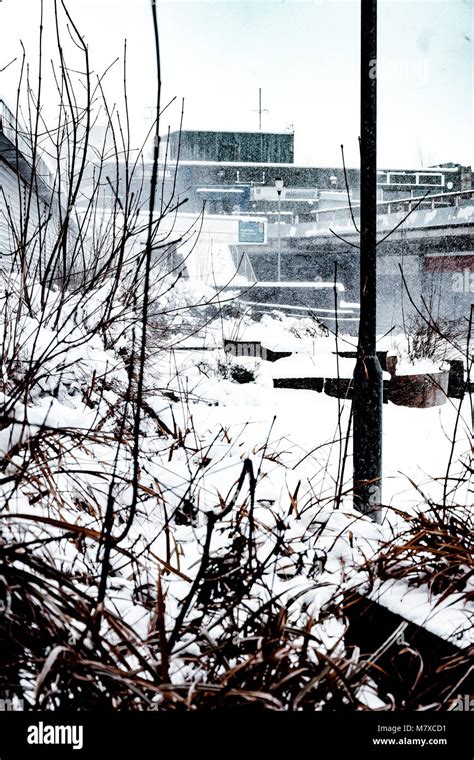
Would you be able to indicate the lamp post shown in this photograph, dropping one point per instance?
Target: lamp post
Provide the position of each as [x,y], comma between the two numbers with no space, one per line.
[368,386]
[279,188]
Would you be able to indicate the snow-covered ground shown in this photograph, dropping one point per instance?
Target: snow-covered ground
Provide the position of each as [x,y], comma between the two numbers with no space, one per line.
[200,430]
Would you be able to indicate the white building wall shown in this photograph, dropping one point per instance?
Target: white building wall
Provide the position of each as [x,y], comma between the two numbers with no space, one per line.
[205,247]
[38,229]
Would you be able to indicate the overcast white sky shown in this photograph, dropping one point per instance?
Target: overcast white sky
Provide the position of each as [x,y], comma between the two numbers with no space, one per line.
[302,53]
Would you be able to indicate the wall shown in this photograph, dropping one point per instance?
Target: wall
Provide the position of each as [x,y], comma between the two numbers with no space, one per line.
[205,248]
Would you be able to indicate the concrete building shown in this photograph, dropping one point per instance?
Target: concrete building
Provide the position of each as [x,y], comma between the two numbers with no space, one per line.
[424,260]
[235,172]
[236,147]
[29,205]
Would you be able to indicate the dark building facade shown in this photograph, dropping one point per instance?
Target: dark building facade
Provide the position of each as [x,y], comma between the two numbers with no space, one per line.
[244,147]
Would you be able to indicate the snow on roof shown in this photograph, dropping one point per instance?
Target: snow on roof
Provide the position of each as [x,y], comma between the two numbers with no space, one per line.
[220,190]
[350,304]
[313,167]
[292,284]
[225,132]
[449,618]
[183,162]
[304,365]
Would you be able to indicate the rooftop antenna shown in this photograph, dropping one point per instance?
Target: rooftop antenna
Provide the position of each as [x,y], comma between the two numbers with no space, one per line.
[420,154]
[260,109]
[151,116]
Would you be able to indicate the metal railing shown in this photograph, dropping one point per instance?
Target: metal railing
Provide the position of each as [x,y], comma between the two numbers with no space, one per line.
[391,206]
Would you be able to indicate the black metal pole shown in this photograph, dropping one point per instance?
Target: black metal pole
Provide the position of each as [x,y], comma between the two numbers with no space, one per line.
[368,383]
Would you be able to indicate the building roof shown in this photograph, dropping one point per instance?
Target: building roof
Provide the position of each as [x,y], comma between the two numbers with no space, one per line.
[263,165]
[226,132]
